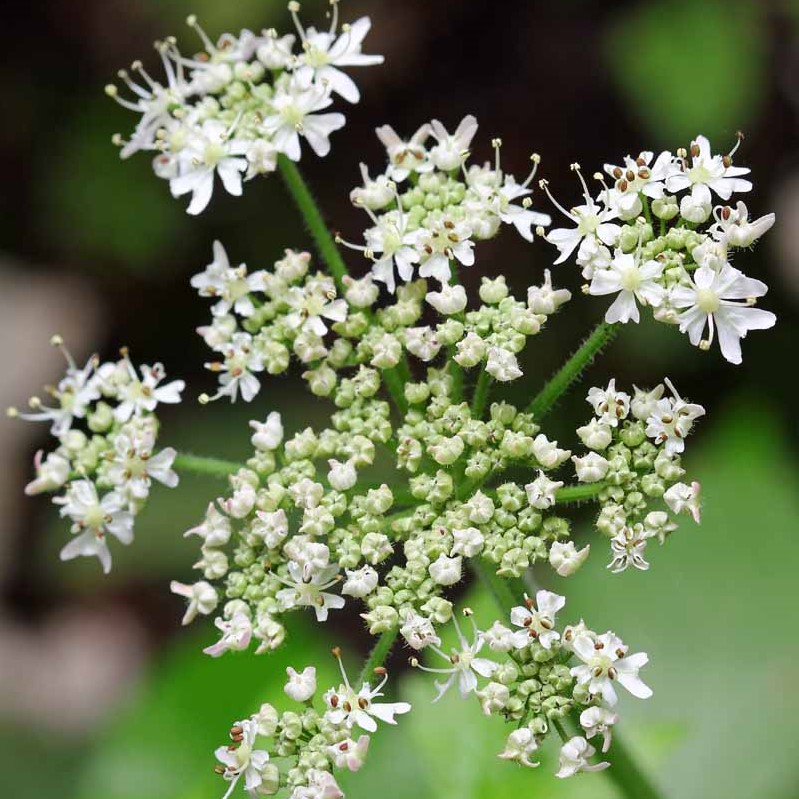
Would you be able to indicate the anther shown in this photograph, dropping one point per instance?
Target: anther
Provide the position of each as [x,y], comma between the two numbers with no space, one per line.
[336,650]
[12,412]
[56,340]
[203,399]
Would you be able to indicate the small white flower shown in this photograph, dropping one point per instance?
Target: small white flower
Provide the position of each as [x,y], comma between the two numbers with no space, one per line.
[241,361]
[51,473]
[349,754]
[374,194]
[450,150]
[445,240]
[396,248]
[734,228]
[471,349]
[214,530]
[321,785]
[269,434]
[418,631]
[706,172]
[342,475]
[276,52]
[241,502]
[599,721]
[605,661]
[464,665]
[628,547]
[565,558]
[638,175]
[360,582]
[684,498]
[307,587]
[422,342]
[499,637]
[243,760]
[537,619]
[595,434]
[450,300]
[405,156]
[645,403]
[312,304]
[133,467]
[301,686]
[695,210]
[633,282]
[502,365]
[545,299]
[721,300]
[272,527]
[468,542]
[493,698]
[658,525]
[137,396]
[202,598]
[519,745]
[349,708]
[671,421]
[93,518]
[610,405]
[446,571]
[591,467]
[541,492]
[236,635]
[547,452]
[574,758]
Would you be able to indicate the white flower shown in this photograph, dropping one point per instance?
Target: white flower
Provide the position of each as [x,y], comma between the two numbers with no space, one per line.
[450,300]
[499,637]
[628,547]
[632,282]
[574,757]
[323,53]
[374,194]
[593,256]
[468,542]
[695,210]
[591,467]
[610,405]
[645,403]
[395,246]
[493,698]
[565,558]
[269,434]
[471,349]
[342,475]
[261,158]
[276,52]
[306,587]
[418,631]
[244,759]
[537,619]
[684,498]
[502,365]
[360,582]
[133,467]
[599,721]
[422,342]
[591,220]
[706,172]
[93,519]
[541,492]
[321,785]
[446,571]
[349,754]
[301,686]
[51,473]
[657,524]
[671,421]
[241,501]
[605,661]
[519,745]
[349,708]
[202,598]
[142,395]
[312,304]
[547,452]
[595,434]
[734,228]
[445,240]
[634,176]
[545,299]
[242,359]
[405,156]
[721,301]
[296,102]
[464,665]
[272,528]
[451,149]
[236,635]
[214,530]
[208,150]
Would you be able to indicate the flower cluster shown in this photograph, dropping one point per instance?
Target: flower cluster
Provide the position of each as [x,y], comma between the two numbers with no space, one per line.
[310,742]
[428,208]
[230,110]
[105,460]
[545,679]
[654,237]
[635,444]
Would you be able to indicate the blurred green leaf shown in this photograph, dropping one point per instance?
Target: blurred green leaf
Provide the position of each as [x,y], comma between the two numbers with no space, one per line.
[688,68]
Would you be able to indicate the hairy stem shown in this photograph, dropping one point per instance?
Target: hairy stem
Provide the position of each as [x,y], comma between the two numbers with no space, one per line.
[579,493]
[559,383]
[480,396]
[378,655]
[213,467]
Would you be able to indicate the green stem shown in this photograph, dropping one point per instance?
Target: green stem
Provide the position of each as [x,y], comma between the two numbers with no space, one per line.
[378,655]
[480,396]
[626,775]
[501,590]
[559,383]
[213,467]
[302,196]
[579,493]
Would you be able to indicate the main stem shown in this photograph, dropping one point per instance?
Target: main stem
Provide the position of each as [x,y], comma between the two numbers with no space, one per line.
[211,467]
[559,383]
[308,207]
[378,655]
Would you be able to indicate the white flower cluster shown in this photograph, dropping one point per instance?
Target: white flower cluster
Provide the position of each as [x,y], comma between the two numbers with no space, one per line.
[231,109]
[428,208]
[104,422]
[655,238]
[313,742]
[535,686]
[635,445]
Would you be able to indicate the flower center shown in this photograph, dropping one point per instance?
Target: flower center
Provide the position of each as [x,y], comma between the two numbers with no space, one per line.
[707,300]
[214,153]
[630,278]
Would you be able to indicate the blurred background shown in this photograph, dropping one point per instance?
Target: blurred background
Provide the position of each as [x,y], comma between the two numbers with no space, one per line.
[101,693]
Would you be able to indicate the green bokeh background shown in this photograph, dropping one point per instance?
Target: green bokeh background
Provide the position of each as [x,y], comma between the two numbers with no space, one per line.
[587,80]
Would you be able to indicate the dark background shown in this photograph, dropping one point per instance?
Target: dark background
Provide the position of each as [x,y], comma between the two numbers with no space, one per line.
[98,693]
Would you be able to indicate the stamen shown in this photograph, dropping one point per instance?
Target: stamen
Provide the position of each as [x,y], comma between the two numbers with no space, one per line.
[191,21]
[536,159]
[294,8]
[544,184]
[575,167]
[334,17]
